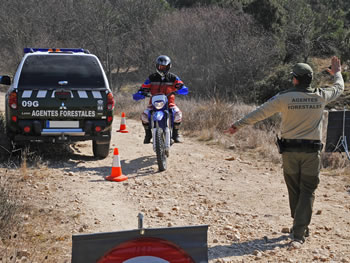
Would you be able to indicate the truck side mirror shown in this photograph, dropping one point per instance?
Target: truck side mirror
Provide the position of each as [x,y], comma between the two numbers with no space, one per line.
[6,80]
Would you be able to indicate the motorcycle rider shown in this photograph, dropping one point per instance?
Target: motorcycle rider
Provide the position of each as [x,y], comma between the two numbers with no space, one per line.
[162,82]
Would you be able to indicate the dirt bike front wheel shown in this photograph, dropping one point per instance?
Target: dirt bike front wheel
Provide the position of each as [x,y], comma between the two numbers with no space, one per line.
[160,149]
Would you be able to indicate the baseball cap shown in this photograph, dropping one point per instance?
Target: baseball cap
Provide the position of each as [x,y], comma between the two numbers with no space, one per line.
[301,69]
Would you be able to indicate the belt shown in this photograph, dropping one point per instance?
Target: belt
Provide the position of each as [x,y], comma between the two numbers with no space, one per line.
[301,141]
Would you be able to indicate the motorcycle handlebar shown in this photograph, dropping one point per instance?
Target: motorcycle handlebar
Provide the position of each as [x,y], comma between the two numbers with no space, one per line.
[142,94]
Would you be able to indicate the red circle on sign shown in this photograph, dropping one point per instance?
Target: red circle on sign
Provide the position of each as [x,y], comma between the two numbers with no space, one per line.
[152,247]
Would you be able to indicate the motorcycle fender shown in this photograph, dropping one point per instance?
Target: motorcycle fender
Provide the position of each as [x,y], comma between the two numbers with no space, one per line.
[158,116]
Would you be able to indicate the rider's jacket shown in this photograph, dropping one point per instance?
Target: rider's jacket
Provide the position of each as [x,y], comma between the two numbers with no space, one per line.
[162,85]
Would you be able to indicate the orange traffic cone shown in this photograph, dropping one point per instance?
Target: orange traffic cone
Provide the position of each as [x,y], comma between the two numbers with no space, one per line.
[122,128]
[116,174]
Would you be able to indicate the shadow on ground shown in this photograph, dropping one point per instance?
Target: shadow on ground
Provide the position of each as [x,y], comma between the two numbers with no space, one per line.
[141,166]
[34,154]
[248,247]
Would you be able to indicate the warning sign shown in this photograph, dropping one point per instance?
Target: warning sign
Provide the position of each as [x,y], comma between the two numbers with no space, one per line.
[151,245]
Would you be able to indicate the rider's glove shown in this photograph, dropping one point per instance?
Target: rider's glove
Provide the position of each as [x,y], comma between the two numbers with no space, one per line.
[178,86]
[143,90]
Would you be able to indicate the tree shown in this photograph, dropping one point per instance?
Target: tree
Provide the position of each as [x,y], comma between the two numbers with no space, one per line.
[298,33]
[191,3]
[269,13]
[221,56]
[108,27]
[40,24]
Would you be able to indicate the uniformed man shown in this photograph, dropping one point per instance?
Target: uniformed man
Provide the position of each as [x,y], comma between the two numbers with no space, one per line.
[301,109]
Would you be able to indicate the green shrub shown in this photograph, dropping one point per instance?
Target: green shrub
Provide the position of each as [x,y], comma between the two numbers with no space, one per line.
[277,81]
[346,76]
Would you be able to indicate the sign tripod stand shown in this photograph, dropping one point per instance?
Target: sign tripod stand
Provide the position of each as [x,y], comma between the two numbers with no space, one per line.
[342,140]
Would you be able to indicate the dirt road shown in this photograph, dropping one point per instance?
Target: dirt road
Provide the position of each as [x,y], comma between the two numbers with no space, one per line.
[244,201]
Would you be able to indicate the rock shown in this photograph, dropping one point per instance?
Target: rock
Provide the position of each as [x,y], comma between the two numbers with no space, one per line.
[232,147]
[295,245]
[323,258]
[160,214]
[23,253]
[236,237]
[285,230]
[227,227]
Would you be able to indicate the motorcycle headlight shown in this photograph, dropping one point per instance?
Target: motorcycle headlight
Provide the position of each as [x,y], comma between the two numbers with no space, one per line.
[158,104]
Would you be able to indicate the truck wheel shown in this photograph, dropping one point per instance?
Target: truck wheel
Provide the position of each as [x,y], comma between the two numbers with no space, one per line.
[5,148]
[10,135]
[100,150]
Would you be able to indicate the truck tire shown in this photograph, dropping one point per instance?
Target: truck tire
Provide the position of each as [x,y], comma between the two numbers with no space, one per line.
[100,150]
[5,148]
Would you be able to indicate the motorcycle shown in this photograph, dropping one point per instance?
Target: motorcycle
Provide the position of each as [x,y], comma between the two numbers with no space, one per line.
[161,119]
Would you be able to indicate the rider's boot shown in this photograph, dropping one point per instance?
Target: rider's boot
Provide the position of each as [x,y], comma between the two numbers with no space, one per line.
[148,134]
[176,136]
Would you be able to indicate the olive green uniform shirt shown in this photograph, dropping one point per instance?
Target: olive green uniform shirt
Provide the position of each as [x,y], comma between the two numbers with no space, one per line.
[301,108]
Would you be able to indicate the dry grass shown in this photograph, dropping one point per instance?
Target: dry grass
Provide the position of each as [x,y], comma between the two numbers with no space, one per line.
[9,205]
[8,202]
[206,120]
[132,109]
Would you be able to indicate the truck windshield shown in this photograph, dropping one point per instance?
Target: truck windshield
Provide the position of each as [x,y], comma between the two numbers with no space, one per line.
[65,71]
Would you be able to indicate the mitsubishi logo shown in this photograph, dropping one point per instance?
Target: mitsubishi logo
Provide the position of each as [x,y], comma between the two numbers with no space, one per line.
[63,107]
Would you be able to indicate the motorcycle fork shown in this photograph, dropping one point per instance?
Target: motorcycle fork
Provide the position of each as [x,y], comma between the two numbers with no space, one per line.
[167,132]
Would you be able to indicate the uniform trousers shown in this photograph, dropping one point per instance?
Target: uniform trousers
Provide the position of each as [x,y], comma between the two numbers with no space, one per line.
[301,174]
